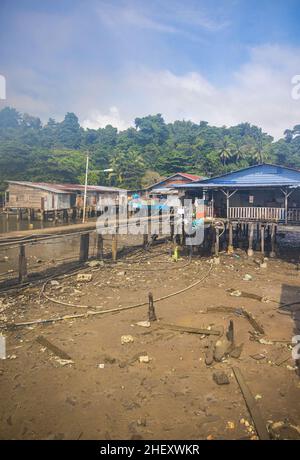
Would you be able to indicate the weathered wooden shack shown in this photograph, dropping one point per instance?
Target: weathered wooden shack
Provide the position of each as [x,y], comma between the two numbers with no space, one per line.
[43,198]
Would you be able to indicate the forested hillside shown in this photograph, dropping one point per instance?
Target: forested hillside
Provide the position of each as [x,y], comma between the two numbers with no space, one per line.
[138,156]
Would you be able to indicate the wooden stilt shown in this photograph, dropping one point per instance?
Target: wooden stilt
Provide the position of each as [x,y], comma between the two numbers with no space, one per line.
[99,247]
[217,242]
[273,241]
[262,239]
[230,238]
[84,247]
[250,240]
[22,264]
[145,240]
[114,247]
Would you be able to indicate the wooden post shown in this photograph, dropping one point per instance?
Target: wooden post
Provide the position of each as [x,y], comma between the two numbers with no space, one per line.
[99,253]
[22,264]
[145,240]
[114,247]
[217,242]
[251,237]
[84,247]
[262,239]
[151,310]
[172,217]
[230,238]
[273,241]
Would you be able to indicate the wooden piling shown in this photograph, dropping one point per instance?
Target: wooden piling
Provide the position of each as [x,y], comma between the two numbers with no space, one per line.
[84,247]
[230,238]
[114,247]
[250,240]
[22,264]
[273,241]
[262,239]
[217,241]
[99,253]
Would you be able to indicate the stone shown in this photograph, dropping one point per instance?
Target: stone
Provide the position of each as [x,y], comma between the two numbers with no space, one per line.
[222,348]
[221,378]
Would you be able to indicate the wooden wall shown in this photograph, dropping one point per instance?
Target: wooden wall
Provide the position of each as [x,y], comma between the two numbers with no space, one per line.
[21,196]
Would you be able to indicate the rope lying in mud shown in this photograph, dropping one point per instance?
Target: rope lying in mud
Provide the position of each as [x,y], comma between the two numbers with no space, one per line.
[111,310]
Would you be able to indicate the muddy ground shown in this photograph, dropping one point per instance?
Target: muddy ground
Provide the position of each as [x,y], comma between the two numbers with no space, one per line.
[106,393]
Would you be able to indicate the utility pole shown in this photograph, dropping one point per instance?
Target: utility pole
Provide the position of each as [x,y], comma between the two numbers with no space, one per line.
[85,188]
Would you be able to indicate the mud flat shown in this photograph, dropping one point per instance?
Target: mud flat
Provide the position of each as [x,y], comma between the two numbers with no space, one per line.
[83,380]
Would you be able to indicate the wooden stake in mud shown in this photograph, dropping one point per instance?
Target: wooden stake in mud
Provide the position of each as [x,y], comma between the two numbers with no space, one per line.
[99,253]
[84,247]
[114,247]
[230,332]
[22,264]
[151,311]
[251,237]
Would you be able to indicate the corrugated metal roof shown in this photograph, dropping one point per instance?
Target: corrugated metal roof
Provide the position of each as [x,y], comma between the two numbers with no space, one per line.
[66,188]
[265,175]
[191,177]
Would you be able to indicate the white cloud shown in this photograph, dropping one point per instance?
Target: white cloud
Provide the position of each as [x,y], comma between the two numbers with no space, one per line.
[97,119]
[260,93]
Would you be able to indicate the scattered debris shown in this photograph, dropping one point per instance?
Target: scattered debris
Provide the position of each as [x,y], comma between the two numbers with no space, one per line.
[84,277]
[221,378]
[251,405]
[222,349]
[133,359]
[284,430]
[53,348]
[101,366]
[230,425]
[54,283]
[144,359]
[189,330]
[247,277]
[144,323]
[258,356]
[126,339]
[265,342]
[94,263]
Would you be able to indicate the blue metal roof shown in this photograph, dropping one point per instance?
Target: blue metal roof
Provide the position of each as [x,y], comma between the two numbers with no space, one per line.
[265,175]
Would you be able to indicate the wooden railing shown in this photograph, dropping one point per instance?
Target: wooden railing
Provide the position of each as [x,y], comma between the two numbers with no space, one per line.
[251,213]
[294,215]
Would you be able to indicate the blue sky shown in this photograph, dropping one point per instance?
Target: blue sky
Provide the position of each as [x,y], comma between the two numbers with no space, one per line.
[111,61]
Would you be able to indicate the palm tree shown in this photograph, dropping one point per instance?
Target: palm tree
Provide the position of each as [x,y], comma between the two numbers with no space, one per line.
[225,149]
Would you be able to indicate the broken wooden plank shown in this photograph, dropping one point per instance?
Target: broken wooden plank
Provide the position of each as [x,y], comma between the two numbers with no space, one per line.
[252,406]
[133,359]
[258,327]
[241,311]
[57,351]
[189,330]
